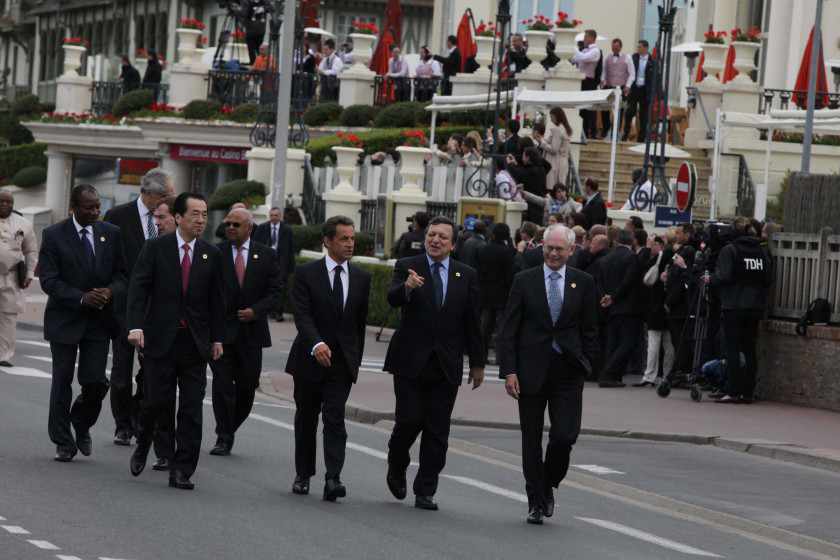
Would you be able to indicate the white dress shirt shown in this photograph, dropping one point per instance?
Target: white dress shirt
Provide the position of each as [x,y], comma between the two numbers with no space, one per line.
[144,212]
[640,76]
[397,68]
[331,65]
[587,60]
[89,236]
[181,247]
[345,284]
[245,248]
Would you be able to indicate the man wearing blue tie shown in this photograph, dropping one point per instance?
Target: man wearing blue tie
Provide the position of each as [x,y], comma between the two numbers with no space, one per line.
[546,347]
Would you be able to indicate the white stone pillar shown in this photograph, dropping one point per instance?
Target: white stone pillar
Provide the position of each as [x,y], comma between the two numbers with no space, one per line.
[513,214]
[356,87]
[187,83]
[469,84]
[741,97]
[779,41]
[58,183]
[710,92]
[180,170]
[261,168]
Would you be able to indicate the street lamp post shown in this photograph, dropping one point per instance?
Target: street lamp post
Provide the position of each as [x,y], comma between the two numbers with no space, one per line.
[286,72]
[812,93]
[502,27]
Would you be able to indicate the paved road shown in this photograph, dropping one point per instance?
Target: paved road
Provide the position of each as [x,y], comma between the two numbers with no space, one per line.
[624,500]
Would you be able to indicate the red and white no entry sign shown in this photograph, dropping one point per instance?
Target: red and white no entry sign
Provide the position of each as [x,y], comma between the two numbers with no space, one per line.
[686,185]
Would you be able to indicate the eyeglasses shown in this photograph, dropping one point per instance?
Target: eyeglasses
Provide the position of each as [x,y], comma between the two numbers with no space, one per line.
[232,224]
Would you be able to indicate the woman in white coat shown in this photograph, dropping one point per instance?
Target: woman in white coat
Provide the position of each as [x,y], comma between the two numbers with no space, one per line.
[555,145]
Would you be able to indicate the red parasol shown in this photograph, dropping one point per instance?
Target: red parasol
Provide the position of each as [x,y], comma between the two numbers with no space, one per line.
[466,43]
[309,12]
[700,73]
[391,34]
[729,71]
[802,78]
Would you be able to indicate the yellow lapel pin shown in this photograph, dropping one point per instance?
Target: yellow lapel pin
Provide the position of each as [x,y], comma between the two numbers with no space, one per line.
[102,239]
[573,285]
[256,257]
[457,275]
[204,256]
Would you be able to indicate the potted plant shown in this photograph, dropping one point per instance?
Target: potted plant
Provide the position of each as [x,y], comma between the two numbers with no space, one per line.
[537,33]
[239,50]
[485,37]
[714,52]
[189,34]
[565,31]
[74,49]
[364,36]
[413,153]
[347,152]
[745,43]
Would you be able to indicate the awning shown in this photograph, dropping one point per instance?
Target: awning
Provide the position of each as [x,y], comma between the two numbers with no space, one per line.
[596,99]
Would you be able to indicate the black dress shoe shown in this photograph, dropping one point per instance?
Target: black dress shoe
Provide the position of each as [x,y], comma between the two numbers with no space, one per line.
[301,486]
[221,448]
[84,443]
[610,384]
[177,479]
[643,384]
[64,454]
[162,464]
[122,437]
[425,502]
[139,457]
[334,489]
[6,363]
[397,484]
[535,516]
[548,503]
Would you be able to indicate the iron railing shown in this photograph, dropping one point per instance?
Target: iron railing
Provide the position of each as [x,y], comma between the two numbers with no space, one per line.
[746,189]
[240,87]
[367,222]
[104,95]
[783,98]
[387,90]
[329,87]
[447,209]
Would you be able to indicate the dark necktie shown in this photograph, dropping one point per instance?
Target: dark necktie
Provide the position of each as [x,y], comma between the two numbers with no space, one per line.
[273,236]
[186,264]
[151,229]
[338,290]
[89,254]
[438,284]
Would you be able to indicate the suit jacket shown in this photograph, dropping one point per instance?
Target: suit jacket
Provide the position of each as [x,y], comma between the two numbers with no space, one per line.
[157,305]
[260,292]
[495,273]
[127,218]
[451,63]
[317,321]
[469,252]
[524,344]
[425,331]
[65,277]
[595,211]
[649,70]
[622,279]
[529,258]
[285,246]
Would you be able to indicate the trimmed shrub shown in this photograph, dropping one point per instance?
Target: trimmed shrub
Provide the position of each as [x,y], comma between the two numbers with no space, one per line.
[30,177]
[133,101]
[201,109]
[398,115]
[48,107]
[246,113]
[251,193]
[321,114]
[26,105]
[358,115]
[14,132]
[16,158]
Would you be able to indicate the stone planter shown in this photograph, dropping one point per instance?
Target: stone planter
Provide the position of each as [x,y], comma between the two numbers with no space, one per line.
[346,159]
[565,45]
[537,41]
[412,170]
[484,54]
[187,45]
[714,59]
[362,49]
[73,58]
[745,60]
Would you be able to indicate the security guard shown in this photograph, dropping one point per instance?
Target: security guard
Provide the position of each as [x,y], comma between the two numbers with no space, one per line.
[743,276]
[411,242]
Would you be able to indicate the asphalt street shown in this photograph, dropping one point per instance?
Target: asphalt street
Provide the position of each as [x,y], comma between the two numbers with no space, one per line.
[622,500]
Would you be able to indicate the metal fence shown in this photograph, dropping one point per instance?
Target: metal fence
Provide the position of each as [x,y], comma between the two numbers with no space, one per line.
[387,90]
[104,95]
[239,87]
[782,98]
[447,209]
[806,267]
[367,223]
[746,189]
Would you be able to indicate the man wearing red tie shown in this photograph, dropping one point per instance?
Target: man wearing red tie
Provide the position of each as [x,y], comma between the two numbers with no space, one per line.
[176,319]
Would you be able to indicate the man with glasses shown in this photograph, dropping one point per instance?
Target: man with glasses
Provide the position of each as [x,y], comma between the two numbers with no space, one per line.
[252,285]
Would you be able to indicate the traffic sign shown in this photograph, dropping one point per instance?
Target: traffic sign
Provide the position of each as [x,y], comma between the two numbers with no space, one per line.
[668,216]
[686,185]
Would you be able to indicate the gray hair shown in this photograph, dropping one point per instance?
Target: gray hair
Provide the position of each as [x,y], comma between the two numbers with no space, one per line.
[564,231]
[155,182]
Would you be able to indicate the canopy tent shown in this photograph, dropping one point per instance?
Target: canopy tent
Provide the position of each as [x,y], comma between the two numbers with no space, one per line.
[454,103]
[827,123]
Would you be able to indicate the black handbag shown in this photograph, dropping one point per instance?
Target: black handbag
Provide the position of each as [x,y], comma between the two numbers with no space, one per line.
[20,269]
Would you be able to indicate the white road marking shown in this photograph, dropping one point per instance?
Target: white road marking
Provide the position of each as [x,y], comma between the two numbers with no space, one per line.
[597,469]
[648,537]
[38,358]
[109,558]
[492,488]
[14,529]
[26,372]
[35,343]
[65,557]
[273,405]
[45,545]
[2,518]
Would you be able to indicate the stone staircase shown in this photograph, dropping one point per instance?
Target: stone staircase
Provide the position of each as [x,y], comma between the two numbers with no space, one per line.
[595,162]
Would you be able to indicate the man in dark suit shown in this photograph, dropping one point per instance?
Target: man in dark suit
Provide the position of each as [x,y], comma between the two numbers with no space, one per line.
[623,296]
[277,235]
[176,317]
[82,270]
[330,298]
[547,344]
[451,63]
[595,209]
[638,101]
[439,297]
[495,273]
[252,284]
[136,222]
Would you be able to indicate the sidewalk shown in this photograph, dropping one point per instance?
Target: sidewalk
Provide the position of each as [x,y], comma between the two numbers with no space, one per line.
[786,432]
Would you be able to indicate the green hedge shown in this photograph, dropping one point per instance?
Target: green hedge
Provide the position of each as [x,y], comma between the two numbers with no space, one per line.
[246,113]
[133,101]
[399,115]
[358,115]
[309,237]
[14,132]
[26,105]
[30,177]
[16,158]
[378,309]
[321,114]
[251,193]
[200,109]
[375,141]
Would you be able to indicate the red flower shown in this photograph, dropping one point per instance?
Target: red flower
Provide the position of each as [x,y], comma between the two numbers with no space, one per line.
[77,41]
[238,36]
[191,23]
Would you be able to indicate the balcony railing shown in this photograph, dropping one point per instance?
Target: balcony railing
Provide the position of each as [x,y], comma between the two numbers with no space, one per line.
[390,90]
[239,87]
[106,94]
[785,99]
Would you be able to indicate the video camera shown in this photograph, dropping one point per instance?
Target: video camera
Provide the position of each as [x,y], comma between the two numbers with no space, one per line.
[715,236]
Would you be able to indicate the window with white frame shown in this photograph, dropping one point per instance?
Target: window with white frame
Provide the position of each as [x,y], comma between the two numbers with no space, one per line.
[524,9]
[343,23]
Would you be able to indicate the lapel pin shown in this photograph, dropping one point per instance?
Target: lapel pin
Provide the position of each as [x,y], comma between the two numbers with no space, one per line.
[102,239]
[457,275]
[573,285]
[256,256]
[204,256]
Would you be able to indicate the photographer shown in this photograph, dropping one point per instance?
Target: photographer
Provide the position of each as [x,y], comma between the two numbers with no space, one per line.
[680,291]
[254,14]
[743,274]
[410,243]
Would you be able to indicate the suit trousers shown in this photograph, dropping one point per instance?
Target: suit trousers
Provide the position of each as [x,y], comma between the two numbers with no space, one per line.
[637,102]
[236,377]
[740,329]
[424,405]
[622,340]
[590,125]
[164,434]
[123,405]
[489,319]
[185,369]
[682,337]
[93,358]
[327,398]
[562,393]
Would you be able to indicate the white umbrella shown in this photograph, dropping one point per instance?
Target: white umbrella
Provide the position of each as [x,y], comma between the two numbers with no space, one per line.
[692,47]
[579,37]
[670,151]
[318,31]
